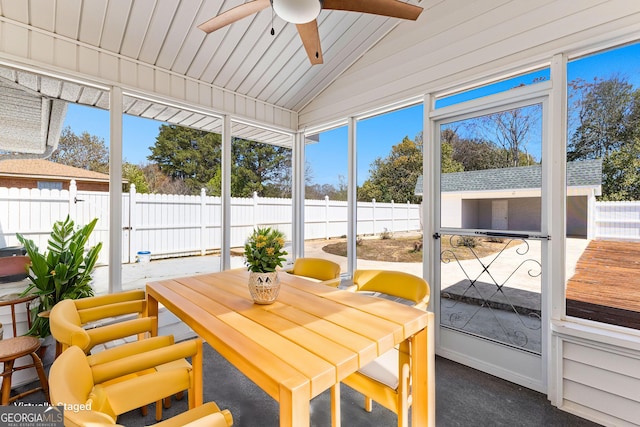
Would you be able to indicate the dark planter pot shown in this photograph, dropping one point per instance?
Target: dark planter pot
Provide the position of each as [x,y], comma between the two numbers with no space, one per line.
[13,268]
[12,250]
[47,351]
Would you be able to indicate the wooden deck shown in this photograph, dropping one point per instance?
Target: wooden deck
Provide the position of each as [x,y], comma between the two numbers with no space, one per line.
[606,285]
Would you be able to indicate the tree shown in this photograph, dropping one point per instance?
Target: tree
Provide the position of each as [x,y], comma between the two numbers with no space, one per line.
[394,177]
[621,173]
[606,114]
[448,140]
[320,191]
[135,175]
[194,157]
[342,190]
[512,131]
[604,111]
[474,154]
[447,163]
[214,185]
[83,151]
[186,154]
[259,167]
[159,183]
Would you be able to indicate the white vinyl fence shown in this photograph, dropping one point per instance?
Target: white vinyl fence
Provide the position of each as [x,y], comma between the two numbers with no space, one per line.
[177,225]
[617,220]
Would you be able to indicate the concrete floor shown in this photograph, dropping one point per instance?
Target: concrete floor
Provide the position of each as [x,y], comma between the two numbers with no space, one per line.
[464,397]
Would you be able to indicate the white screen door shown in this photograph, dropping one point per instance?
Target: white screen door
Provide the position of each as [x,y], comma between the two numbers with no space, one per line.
[490,238]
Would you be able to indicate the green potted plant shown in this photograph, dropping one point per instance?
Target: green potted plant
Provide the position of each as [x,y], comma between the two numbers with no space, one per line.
[63,272]
[264,253]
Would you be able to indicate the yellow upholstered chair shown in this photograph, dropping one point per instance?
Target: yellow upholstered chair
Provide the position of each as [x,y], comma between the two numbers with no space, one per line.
[89,393]
[387,379]
[398,284]
[69,320]
[323,270]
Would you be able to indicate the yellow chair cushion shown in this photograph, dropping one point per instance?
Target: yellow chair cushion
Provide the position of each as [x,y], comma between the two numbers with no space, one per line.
[124,396]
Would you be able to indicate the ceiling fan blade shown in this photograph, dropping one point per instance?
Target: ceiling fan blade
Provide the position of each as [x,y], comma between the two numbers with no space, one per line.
[311,41]
[392,8]
[233,15]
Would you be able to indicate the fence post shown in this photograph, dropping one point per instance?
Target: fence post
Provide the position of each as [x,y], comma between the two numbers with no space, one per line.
[408,215]
[131,256]
[73,194]
[373,215]
[592,216]
[393,216]
[203,225]
[255,209]
[326,217]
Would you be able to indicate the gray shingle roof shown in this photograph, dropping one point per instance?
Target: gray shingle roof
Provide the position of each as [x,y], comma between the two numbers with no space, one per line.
[579,173]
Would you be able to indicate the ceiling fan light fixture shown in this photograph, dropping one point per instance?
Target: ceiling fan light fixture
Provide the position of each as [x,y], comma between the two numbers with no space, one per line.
[297,11]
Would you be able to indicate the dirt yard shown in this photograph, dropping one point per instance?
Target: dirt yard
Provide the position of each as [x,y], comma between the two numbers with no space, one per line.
[409,249]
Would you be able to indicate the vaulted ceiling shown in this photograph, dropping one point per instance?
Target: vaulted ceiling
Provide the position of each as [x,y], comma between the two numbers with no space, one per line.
[243,57]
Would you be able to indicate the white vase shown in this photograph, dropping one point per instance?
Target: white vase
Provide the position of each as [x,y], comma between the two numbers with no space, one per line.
[264,287]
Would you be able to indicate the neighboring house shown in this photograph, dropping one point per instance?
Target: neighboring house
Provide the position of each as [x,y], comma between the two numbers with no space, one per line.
[44,174]
[509,198]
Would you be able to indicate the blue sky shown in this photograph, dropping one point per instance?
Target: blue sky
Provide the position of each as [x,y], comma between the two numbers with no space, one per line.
[138,134]
[375,136]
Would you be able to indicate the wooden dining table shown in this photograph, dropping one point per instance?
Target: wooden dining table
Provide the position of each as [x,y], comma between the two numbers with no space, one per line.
[306,342]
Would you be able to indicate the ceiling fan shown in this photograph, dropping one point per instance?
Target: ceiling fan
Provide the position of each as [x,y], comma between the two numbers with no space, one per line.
[303,13]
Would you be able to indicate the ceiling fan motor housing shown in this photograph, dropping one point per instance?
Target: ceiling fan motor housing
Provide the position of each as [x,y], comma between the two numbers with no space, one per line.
[297,11]
[304,14]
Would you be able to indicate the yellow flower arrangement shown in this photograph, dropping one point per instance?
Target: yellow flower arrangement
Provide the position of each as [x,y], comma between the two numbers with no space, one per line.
[263,250]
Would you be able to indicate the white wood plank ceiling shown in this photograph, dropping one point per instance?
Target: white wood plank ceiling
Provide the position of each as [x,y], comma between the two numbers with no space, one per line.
[243,57]
[51,88]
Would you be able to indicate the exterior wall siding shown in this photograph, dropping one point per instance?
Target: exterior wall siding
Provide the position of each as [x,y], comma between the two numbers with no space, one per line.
[602,382]
[33,183]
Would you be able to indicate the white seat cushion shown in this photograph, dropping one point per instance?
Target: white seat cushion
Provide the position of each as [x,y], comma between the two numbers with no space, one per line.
[384,369]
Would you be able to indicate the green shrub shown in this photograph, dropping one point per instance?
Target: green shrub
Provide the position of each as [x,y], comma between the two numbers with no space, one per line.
[467,241]
[64,272]
[386,234]
[494,239]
